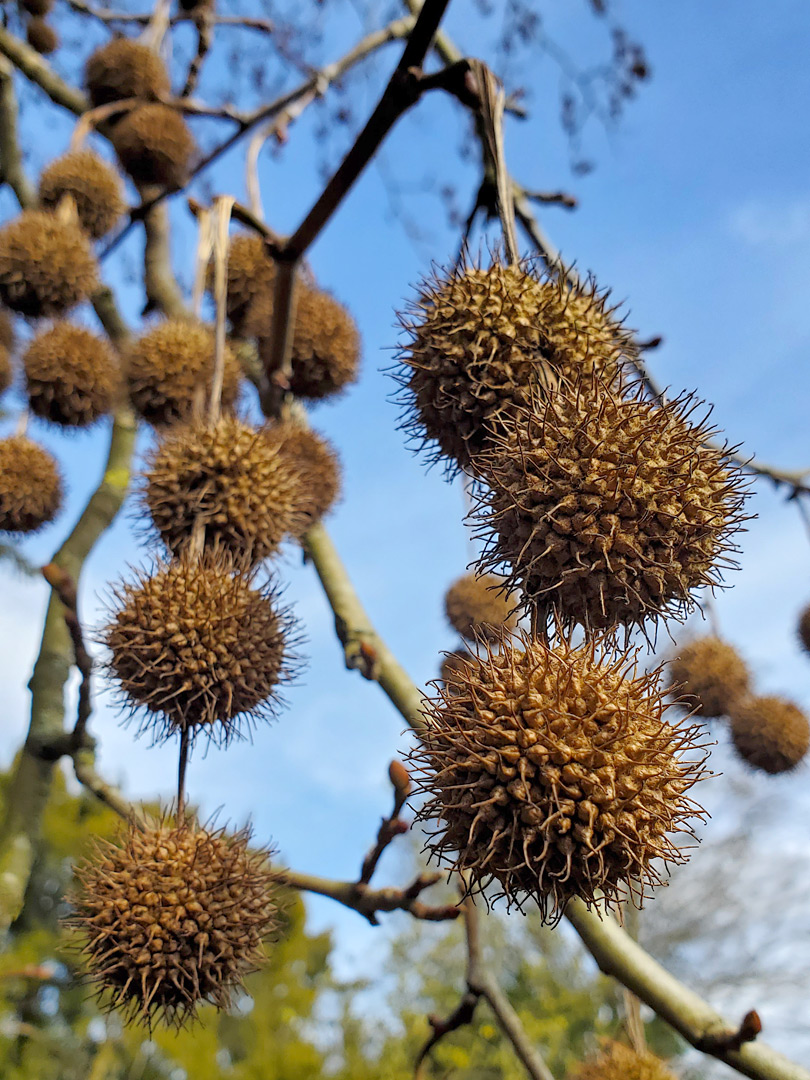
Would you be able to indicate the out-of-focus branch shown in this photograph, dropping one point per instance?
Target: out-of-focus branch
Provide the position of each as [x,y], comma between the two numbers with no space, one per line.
[162,291]
[65,588]
[85,769]
[11,166]
[39,71]
[264,26]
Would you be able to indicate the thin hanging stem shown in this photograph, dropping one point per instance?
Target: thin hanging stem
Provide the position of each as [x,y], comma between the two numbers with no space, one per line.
[205,245]
[222,218]
[182,765]
[493,102]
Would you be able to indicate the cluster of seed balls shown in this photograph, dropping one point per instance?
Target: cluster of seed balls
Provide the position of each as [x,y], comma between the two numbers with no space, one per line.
[38,31]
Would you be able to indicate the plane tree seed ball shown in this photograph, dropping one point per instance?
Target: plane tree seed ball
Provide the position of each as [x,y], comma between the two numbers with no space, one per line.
[804,629]
[41,36]
[250,274]
[30,485]
[94,185]
[154,145]
[619,1062]
[71,375]
[709,675]
[124,69]
[771,734]
[317,466]
[554,772]
[46,265]
[473,605]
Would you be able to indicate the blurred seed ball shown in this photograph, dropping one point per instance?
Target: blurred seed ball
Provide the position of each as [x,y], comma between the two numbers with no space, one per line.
[234,480]
[250,273]
[453,664]
[804,629]
[30,485]
[769,733]
[199,648]
[46,265]
[95,186]
[170,368]
[555,773]
[71,375]
[41,36]
[124,69]
[709,675]
[618,1062]
[173,916]
[474,606]
[317,466]
[39,8]
[607,509]
[154,145]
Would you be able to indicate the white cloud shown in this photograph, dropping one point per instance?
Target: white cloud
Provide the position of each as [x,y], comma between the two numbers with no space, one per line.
[765,224]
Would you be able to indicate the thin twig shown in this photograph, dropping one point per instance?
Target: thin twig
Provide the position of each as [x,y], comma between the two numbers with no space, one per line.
[370,902]
[390,827]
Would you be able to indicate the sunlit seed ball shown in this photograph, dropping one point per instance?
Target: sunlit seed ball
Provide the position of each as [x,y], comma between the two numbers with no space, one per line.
[170,369]
[173,917]
[38,8]
[46,265]
[474,606]
[709,675]
[154,145]
[250,274]
[30,485]
[769,733]
[41,36]
[619,1062]
[124,69]
[317,466]
[804,629]
[71,375]
[608,510]
[553,773]
[94,185]
[196,647]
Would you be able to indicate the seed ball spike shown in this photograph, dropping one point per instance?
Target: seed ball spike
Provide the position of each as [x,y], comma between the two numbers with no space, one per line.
[124,69]
[195,647]
[608,510]
[46,265]
[41,36]
[250,274]
[770,733]
[555,772]
[173,916]
[170,368]
[474,606]
[154,145]
[709,675]
[317,466]
[94,185]
[71,375]
[619,1062]
[30,486]
[804,629]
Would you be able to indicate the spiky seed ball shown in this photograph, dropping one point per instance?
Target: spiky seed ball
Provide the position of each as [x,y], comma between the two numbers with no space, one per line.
[233,480]
[199,648]
[173,916]
[473,605]
[316,463]
[555,773]
[124,69]
[804,629]
[41,36]
[71,375]
[608,510]
[154,145]
[46,264]
[30,485]
[94,185]
[619,1062]
[709,675]
[38,8]
[170,369]
[250,274]
[769,733]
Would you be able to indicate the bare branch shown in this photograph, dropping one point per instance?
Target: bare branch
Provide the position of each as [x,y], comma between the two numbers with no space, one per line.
[369,902]
[264,26]
[11,165]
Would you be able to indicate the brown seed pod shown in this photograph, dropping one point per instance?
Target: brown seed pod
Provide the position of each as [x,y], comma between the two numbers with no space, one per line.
[71,375]
[608,510]
[94,185]
[804,629]
[154,145]
[555,773]
[199,648]
[618,1062]
[452,664]
[708,675]
[250,274]
[30,485]
[474,606]
[173,916]
[41,36]
[170,368]
[769,733]
[46,265]
[124,69]
[39,8]
[317,466]
[234,482]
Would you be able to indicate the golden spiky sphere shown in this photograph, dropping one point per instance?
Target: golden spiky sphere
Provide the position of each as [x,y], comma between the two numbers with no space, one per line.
[317,466]
[804,629]
[553,773]
[41,36]
[250,274]
[770,733]
[46,264]
[198,647]
[124,69]
[173,916]
[709,675]
[474,606]
[154,145]
[231,480]
[94,185]
[482,340]
[71,375]
[30,485]
[170,369]
[618,1062]
[608,510]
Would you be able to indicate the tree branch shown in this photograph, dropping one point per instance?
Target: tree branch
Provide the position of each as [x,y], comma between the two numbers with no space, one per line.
[11,164]
[369,902]
[39,71]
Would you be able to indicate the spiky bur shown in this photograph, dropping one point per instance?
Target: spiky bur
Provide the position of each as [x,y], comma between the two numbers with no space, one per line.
[173,916]
[41,36]
[619,1062]
[608,510]
[474,606]
[71,375]
[250,274]
[709,675]
[154,145]
[46,265]
[317,465]
[124,69]
[803,629]
[30,485]
[95,186]
[481,341]
[553,773]
[197,647]
[170,368]
[770,733]
[229,480]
